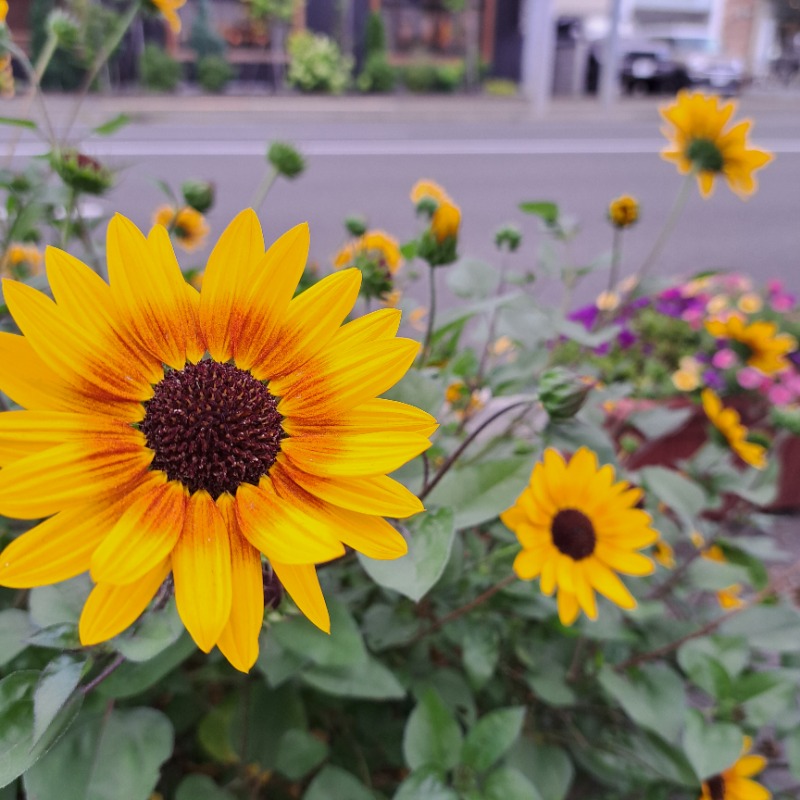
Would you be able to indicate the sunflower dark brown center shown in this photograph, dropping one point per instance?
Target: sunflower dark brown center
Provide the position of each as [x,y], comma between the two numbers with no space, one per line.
[716,787]
[573,533]
[705,155]
[212,426]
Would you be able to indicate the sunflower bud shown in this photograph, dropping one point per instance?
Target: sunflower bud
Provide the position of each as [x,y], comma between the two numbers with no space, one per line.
[198,194]
[81,172]
[427,206]
[562,393]
[63,27]
[623,212]
[508,236]
[286,160]
[355,225]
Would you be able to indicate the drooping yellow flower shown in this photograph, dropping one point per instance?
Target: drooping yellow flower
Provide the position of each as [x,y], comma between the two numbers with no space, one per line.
[729,596]
[664,554]
[188,225]
[699,142]
[373,242]
[624,211]
[21,261]
[578,528]
[734,783]
[170,430]
[427,188]
[768,349]
[169,10]
[445,221]
[728,423]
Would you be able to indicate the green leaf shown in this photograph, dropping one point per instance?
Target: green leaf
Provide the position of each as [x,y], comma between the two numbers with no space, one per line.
[682,495]
[298,753]
[215,732]
[113,125]
[17,122]
[548,767]
[481,491]
[541,208]
[369,680]
[492,737]
[480,651]
[430,540]
[409,250]
[508,783]
[153,634]
[425,784]
[332,783]
[653,697]
[201,787]
[15,628]
[791,744]
[18,751]
[105,756]
[419,389]
[710,748]
[657,422]
[772,628]
[59,604]
[432,737]
[343,647]
[58,681]
[470,278]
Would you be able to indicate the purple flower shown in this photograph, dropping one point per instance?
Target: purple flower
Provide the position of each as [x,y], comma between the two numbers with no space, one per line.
[626,339]
[587,316]
[713,380]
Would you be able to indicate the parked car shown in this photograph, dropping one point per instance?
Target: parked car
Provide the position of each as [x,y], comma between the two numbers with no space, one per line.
[705,66]
[648,67]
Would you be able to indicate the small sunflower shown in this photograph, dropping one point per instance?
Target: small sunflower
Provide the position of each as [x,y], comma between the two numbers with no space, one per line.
[21,261]
[767,350]
[445,221]
[170,430]
[664,554]
[623,212]
[373,243]
[189,226]
[578,528]
[699,142]
[428,189]
[734,783]
[728,422]
[169,10]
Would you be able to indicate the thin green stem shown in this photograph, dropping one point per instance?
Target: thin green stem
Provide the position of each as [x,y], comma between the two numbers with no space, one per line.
[69,211]
[263,189]
[106,51]
[669,226]
[492,327]
[616,259]
[426,345]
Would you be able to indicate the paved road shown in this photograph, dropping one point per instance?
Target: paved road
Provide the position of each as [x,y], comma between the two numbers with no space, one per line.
[364,155]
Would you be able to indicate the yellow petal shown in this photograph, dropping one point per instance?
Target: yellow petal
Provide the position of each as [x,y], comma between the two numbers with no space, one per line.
[528,563]
[608,584]
[144,535]
[110,609]
[201,566]
[227,279]
[567,607]
[625,561]
[281,531]
[749,765]
[354,456]
[584,592]
[71,474]
[239,638]
[313,317]
[750,790]
[302,584]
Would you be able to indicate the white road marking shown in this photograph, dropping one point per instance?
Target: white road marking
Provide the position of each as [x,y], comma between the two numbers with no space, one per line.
[389,147]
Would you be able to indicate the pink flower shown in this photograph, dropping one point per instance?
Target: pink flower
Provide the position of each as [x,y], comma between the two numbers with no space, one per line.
[779,395]
[749,378]
[782,302]
[775,286]
[725,358]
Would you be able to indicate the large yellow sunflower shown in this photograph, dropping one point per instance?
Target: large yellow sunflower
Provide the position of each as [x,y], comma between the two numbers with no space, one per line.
[169,10]
[728,422]
[767,349]
[734,783]
[577,528]
[699,142]
[167,429]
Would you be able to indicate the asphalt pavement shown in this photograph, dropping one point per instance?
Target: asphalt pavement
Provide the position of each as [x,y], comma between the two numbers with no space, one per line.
[364,154]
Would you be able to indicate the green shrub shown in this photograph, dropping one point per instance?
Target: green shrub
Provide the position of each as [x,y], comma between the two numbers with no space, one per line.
[378,75]
[449,77]
[214,73]
[374,35]
[420,77]
[316,64]
[158,70]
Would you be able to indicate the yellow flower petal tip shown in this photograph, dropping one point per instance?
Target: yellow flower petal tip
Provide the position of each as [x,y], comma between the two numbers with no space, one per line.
[145,469]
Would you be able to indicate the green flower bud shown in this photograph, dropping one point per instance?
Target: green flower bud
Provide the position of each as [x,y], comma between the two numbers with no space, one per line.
[81,172]
[64,28]
[508,236]
[355,225]
[427,206]
[286,160]
[198,194]
[787,417]
[562,393]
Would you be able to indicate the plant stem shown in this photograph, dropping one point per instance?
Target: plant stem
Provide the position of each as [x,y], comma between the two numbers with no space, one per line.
[669,225]
[430,485]
[105,673]
[492,327]
[69,210]
[263,189]
[106,51]
[616,259]
[426,345]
